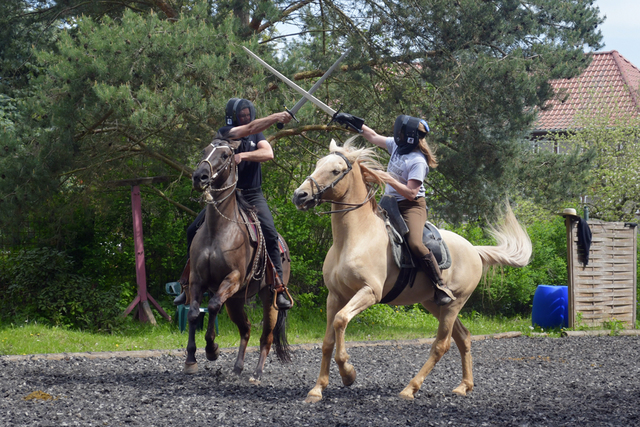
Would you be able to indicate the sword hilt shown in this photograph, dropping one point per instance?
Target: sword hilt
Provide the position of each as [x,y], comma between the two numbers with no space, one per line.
[281,125]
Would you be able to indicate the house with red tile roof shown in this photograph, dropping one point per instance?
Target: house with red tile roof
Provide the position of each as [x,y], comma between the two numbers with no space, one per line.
[609,85]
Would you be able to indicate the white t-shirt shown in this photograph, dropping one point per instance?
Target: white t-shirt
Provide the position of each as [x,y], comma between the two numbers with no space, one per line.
[405,167]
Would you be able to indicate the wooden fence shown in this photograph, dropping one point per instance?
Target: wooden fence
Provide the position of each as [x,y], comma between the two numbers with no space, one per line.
[605,289]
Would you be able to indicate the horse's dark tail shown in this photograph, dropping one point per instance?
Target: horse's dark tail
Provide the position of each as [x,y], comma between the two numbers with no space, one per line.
[283,350]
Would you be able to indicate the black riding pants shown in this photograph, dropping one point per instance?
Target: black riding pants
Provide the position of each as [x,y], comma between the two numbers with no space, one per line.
[255,198]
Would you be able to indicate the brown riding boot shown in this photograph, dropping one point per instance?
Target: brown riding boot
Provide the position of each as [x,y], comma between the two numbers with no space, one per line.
[184,282]
[443,295]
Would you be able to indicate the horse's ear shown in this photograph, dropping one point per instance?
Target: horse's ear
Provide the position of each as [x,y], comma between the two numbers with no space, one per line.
[234,143]
[333,146]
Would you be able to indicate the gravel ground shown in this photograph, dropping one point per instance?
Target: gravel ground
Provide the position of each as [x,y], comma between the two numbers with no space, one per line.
[522,381]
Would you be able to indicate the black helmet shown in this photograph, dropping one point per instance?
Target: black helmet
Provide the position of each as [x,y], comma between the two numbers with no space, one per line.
[406,133]
[234,106]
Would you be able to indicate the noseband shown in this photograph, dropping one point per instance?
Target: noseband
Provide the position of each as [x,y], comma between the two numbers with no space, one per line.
[317,197]
[222,167]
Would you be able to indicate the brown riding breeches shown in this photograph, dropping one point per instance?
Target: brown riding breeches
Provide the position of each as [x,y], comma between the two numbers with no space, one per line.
[414,213]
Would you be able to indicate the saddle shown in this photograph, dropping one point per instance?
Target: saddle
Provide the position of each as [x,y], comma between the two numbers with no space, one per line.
[404,259]
[250,219]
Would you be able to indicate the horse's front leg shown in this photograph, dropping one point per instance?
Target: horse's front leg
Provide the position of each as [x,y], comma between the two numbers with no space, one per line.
[446,316]
[229,286]
[362,300]
[235,310]
[191,365]
[315,394]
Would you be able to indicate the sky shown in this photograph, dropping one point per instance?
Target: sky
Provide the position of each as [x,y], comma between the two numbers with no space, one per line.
[621,28]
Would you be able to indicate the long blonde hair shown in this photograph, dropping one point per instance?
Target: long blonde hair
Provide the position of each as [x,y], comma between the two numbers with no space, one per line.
[426,150]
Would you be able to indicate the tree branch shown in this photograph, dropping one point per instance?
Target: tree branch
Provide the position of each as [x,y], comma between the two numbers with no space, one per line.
[285,14]
[173,202]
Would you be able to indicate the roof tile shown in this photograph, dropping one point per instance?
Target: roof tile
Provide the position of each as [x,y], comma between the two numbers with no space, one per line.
[609,82]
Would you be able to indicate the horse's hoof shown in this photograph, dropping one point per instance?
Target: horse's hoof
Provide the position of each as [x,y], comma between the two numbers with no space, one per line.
[350,378]
[190,368]
[461,390]
[312,399]
[212,355]
[406,396]
[407,393]
[255,381]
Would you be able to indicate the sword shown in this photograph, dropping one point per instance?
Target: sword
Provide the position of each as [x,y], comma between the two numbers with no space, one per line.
[324,107]
[315,87]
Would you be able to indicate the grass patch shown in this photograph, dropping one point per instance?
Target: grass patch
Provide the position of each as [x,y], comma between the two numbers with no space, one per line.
[306,324]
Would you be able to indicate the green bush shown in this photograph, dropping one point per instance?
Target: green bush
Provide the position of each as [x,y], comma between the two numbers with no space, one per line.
[41,285]
[509,291]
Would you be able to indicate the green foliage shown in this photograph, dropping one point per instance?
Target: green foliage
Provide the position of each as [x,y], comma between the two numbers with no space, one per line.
[386,315]
[114,91]
[41,285]
[509,291]
[614,138]
[615,325]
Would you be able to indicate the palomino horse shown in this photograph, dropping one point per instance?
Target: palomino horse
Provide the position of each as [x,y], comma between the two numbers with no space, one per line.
[225,264]
[359,268]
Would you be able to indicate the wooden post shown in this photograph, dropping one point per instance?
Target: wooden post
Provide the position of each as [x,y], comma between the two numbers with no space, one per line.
[141,301]
[568,221]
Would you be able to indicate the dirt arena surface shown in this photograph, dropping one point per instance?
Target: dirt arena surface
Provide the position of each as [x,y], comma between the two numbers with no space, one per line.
[521,381]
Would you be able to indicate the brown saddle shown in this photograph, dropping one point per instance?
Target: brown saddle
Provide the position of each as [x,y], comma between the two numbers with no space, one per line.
[250,219]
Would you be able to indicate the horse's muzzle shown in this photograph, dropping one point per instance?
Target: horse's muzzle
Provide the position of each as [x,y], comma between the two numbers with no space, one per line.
[303,200]
[200,180]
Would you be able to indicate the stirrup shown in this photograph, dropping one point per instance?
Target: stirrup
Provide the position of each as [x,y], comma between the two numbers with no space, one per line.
[281,302]
[279,289]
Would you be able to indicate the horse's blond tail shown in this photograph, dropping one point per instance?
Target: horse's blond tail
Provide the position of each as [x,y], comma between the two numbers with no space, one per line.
[514,246]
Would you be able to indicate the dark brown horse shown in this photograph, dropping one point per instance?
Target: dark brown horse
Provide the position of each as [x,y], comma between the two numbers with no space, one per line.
[228,265]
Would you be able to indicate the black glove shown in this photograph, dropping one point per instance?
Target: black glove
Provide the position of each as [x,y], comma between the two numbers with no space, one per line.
[349,120]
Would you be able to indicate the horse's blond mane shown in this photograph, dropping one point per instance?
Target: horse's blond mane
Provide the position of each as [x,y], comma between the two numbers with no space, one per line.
[364,156]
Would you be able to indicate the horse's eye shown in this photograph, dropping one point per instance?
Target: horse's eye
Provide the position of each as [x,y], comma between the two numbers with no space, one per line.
[336,172]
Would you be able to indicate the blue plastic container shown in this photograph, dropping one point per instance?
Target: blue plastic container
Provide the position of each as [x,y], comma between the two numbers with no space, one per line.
[550,307]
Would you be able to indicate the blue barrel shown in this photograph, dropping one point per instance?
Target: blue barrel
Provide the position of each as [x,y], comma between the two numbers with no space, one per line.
[550,307]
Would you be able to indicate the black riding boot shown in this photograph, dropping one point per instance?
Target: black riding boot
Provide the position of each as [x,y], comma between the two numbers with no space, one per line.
[184,282]
[281,300]
[443,295]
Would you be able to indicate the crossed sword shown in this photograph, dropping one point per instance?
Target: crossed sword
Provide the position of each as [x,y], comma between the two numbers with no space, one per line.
[307,95]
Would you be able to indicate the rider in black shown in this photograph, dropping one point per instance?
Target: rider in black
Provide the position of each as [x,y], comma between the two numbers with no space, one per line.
[253,149]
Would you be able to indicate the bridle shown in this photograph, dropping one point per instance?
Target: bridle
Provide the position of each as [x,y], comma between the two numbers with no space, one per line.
[223,166]
[317,197]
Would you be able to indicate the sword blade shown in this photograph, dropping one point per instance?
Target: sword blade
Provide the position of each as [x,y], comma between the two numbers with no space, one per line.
[315,87]
[324,107]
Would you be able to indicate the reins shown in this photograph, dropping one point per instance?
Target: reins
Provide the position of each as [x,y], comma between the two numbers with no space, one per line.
[215,203]
[256,273]
[317,197]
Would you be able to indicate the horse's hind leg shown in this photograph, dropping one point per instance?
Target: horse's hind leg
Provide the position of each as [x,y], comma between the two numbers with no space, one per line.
[269,319]
[462,337]
[438,349]
[235,309]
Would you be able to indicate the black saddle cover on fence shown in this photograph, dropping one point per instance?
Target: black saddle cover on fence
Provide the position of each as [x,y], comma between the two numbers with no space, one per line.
[403,257]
